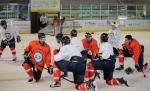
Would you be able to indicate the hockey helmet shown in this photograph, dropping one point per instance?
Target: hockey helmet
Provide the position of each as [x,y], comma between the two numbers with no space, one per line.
[65,40]
[3,22]
[59,36]
[73,33]
[41,35]
[104,37]
[88,35]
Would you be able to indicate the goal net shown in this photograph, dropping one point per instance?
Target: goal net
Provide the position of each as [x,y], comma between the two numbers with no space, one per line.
[53,29]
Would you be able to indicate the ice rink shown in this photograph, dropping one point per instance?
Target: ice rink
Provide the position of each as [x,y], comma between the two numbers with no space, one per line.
[14,78]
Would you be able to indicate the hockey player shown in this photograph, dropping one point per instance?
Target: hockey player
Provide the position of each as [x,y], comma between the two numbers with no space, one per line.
[8,35]
[59,37]
[43,21]
[62,20]
[114,40]
[69,59]
[106,63]
[76,41]
[136,49]
[36,55]
[56,23]
[114,35]
[90,44]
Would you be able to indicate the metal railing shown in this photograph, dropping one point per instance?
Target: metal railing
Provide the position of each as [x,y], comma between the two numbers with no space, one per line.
[82,11]
[105,11]
[14,11]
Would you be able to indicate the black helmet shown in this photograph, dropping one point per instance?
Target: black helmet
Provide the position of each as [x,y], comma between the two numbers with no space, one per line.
[73,33]
[65,40]
[88,35]
[41,35]
[3,22]
[104,37]
[59,36]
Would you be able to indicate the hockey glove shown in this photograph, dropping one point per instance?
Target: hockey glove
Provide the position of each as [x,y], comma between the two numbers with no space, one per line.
[128,70]
[89,52]
[50,70]
[18,39]
[5,42]
[99,56]
[26,57]
[88,61]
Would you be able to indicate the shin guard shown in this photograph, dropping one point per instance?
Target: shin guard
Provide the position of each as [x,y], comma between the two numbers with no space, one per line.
[13,51]
[121,57]
[90,72]
[56,73]
[28,69]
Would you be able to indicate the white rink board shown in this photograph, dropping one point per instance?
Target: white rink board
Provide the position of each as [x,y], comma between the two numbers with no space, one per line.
[102,24]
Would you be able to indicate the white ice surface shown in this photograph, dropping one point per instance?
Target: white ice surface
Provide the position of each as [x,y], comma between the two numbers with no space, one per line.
[14,78]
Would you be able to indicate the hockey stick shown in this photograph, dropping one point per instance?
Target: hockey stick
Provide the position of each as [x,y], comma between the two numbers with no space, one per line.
[66,79]
[96,75]
[90,82]
[143,73]
[60,76]
[144,69]
[44,67]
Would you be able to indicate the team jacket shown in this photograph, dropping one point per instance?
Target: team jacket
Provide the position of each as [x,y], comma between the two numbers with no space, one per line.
[135,48]
[40,55]
[93,46]
[106,50]
[77,42]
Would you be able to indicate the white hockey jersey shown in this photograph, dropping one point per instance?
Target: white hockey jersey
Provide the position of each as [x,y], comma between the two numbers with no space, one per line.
[115,37]
[66,52]
[9,33]
[106,49]
[43,20]
[77,42]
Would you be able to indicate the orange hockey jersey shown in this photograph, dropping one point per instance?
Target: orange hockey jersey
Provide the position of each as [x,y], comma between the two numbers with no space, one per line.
[135,48]
[40,55]
[93,46]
